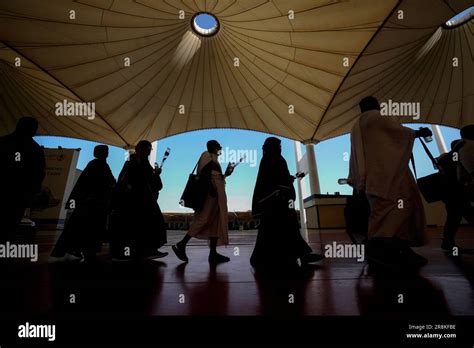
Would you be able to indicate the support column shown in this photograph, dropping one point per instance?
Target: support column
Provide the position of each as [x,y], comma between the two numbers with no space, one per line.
[300,184]
[312,170]
[314,183]
[154,149]
[438,136]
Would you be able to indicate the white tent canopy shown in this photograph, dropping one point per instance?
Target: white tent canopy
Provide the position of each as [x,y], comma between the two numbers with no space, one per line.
[292,68]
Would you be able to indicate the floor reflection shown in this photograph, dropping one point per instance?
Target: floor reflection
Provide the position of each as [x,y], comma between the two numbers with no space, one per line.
[283,294]
[398,294]
[105,287]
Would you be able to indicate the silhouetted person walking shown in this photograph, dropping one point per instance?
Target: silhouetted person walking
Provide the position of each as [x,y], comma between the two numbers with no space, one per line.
[454,198]
[86,228]
[380,152]
[279,242]
[139,226]
[212,221]
[21,174]
[466,161]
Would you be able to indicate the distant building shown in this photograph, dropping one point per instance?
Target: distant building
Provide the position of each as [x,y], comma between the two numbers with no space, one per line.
[237,220]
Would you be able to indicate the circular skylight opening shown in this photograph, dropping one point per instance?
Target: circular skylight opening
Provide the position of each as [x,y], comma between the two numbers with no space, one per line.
[205,24]
[460,18]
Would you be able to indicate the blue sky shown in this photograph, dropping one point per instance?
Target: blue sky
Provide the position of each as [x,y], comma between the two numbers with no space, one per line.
[186,149]
[205,21]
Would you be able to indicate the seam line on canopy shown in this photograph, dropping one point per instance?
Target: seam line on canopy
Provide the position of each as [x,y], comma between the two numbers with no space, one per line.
[139,74]
[291,61]
[441,63]
[399,65]
[462,80]
[228,48]
[158,10]
[315,104]
[225,79]
[188,51]
[399,68]
[191,49]
[67,88]
[219,54]
[408,75]
[246,10]
[397,5]
[238,34]
[36,103]
[43,96]
[450,73]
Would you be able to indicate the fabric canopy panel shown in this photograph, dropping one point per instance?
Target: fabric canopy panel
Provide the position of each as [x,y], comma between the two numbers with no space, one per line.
[29,91]
[412,59]
[291,68]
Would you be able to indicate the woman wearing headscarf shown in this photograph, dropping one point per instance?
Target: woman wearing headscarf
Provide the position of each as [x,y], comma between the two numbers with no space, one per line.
[210,222]
[89,201]
[279,242]
[139,226]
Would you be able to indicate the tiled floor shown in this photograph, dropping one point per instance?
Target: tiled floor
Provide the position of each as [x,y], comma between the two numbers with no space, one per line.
[169,287]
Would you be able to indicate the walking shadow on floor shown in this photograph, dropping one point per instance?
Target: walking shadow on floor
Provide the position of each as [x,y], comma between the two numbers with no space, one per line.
[399,294]
[105,288]
[204,297]
[465,264]
[282,295]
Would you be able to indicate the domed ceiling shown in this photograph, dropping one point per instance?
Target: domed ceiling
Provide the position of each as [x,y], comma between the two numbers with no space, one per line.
[292,68]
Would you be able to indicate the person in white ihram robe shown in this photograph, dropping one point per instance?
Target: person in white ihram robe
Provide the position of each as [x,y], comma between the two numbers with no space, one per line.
[379,167]
[211,222]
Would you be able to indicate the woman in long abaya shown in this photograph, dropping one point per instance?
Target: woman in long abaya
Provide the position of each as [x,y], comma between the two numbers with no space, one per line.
[89,201]
[139,228]
[279,243]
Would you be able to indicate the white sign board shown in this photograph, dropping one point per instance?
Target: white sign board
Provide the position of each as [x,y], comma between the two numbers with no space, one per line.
[49,206]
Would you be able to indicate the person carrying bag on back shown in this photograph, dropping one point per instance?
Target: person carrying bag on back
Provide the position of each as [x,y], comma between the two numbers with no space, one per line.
[211,219]
[454,197]
[465,170]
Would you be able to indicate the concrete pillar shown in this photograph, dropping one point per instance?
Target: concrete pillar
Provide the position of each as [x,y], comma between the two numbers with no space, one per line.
[300,184]
[153,153]
[312,170]
[438,136]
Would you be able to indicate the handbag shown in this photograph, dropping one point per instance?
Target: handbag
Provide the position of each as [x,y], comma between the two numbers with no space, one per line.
[195,191]
[432,187]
